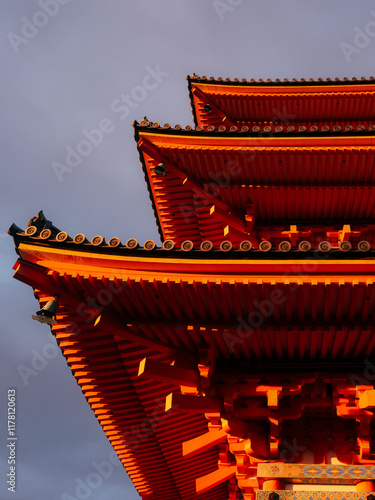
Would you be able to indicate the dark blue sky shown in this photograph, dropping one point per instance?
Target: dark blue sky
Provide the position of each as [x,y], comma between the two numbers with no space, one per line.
[68,69]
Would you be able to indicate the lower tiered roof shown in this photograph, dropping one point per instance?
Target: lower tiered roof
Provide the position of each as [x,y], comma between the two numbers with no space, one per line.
[169,346]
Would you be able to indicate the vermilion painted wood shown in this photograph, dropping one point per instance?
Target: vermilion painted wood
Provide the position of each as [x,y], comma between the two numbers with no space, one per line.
[282,104]
[105,354]
[200,366]
[213,184]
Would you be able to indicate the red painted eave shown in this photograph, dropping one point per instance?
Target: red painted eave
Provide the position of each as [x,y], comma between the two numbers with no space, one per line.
[278,180]
[302,103]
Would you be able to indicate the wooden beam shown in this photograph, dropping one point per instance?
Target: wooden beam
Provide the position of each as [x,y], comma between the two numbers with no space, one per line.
[235,427]
[228,218]
[39,277]
[192,404]
[169,374]
[202,96]
[203,442]
[253,412]
[273,398]
[206,483]
[367,400]
[188,181]
[109,323]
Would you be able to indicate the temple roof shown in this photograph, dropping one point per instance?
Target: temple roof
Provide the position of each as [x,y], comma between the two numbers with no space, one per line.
[126,322]
[163,343]
[283,82]
[41,236]
[321,293]
[241,186]
[297,103]
[256,316]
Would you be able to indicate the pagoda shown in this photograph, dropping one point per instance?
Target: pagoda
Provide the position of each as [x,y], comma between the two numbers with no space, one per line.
[236,360]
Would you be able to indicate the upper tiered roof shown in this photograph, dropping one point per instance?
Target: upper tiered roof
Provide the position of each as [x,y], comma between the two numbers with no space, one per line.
[278,161]
[281,103]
